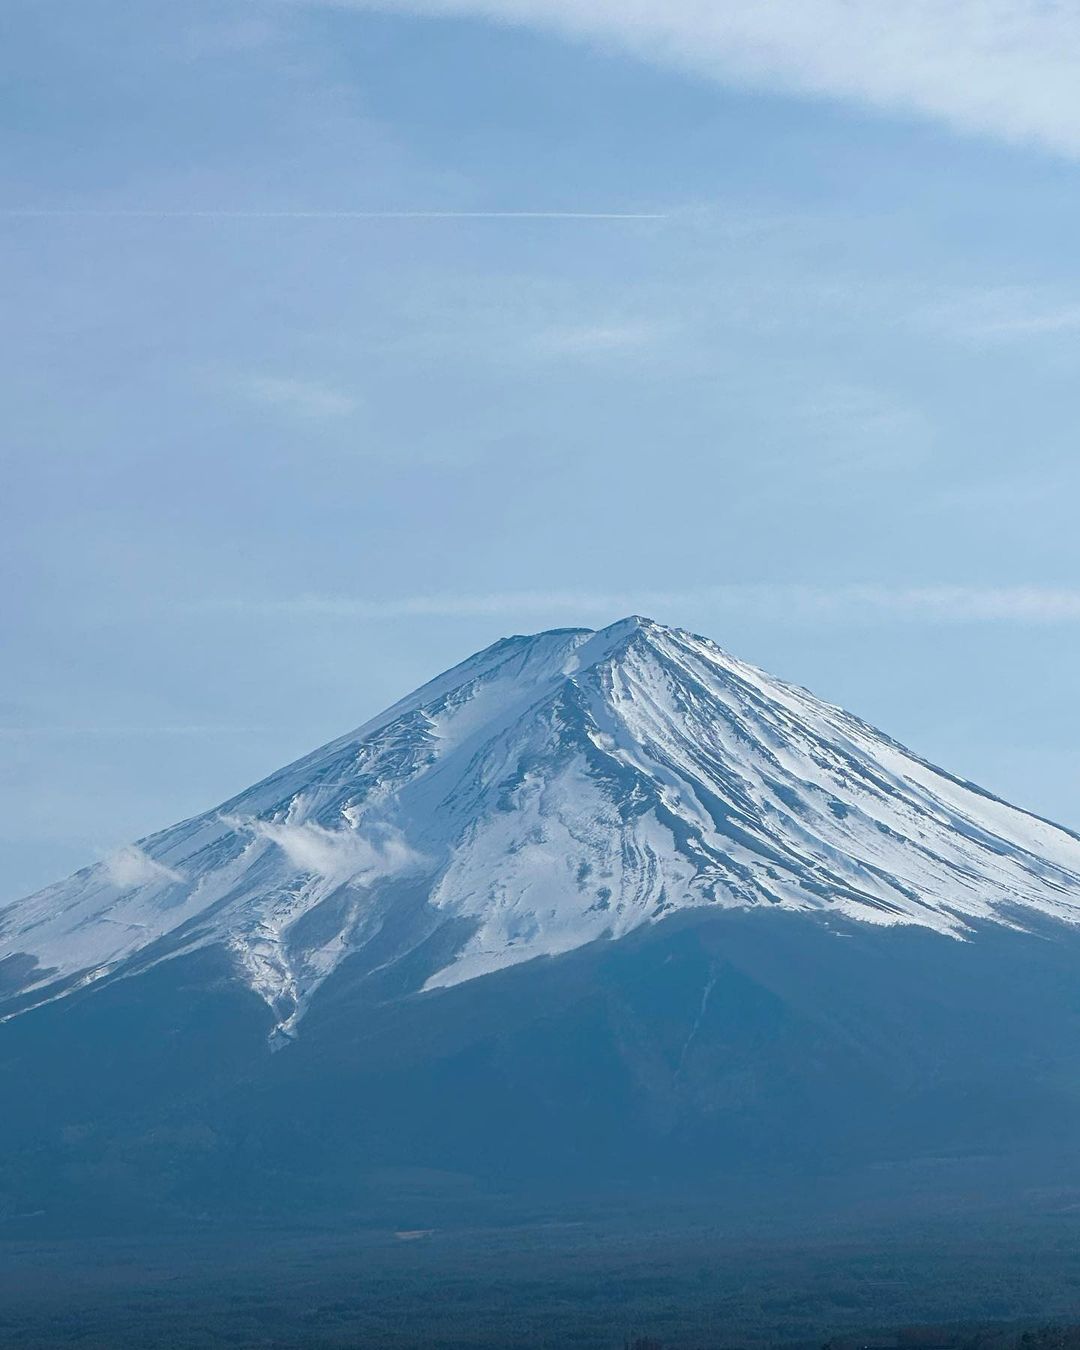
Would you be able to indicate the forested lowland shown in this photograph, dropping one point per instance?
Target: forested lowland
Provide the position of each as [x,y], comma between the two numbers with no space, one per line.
[583,1282]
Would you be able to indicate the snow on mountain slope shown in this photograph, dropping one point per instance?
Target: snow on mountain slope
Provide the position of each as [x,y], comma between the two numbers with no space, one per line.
[550,791]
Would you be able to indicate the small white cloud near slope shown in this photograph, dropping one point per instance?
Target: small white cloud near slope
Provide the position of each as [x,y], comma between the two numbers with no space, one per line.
[335,855]
[129,867]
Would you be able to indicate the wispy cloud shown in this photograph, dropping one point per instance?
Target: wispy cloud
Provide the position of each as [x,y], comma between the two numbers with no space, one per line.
[1008,68]
[616,338]
[940,603]
[336,855]
[1004,314]
[129,867]
[300,397]
[104,731]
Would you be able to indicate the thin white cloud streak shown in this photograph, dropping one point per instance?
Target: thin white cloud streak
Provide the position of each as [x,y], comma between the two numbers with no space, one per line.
[1007,68]
[89,213]
[1033,325]
[952,604]
[597,340]
[61,732]
[1003,315]
[303,398]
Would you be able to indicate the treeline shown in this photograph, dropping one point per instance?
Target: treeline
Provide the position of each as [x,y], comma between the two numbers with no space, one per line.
[964,1337]
[203,1334]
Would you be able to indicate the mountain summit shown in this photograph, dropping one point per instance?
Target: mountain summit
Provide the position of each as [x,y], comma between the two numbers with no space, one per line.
[551,791]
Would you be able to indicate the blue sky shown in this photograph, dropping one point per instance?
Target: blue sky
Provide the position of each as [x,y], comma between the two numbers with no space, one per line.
[793,363]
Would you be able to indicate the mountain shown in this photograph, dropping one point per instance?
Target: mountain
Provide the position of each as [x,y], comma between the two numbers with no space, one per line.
[585,900]
[549,792]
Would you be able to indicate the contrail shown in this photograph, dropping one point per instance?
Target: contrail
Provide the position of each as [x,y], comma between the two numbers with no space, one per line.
[35,213]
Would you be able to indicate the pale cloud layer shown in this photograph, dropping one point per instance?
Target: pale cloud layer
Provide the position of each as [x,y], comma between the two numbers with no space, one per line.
[939,603]
[1007,68]
[107,731]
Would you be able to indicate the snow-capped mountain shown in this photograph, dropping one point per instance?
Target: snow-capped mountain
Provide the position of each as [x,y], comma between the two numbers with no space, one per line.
[548,792]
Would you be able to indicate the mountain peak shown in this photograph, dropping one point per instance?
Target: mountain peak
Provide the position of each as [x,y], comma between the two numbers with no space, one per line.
[631,624]
[550,791]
